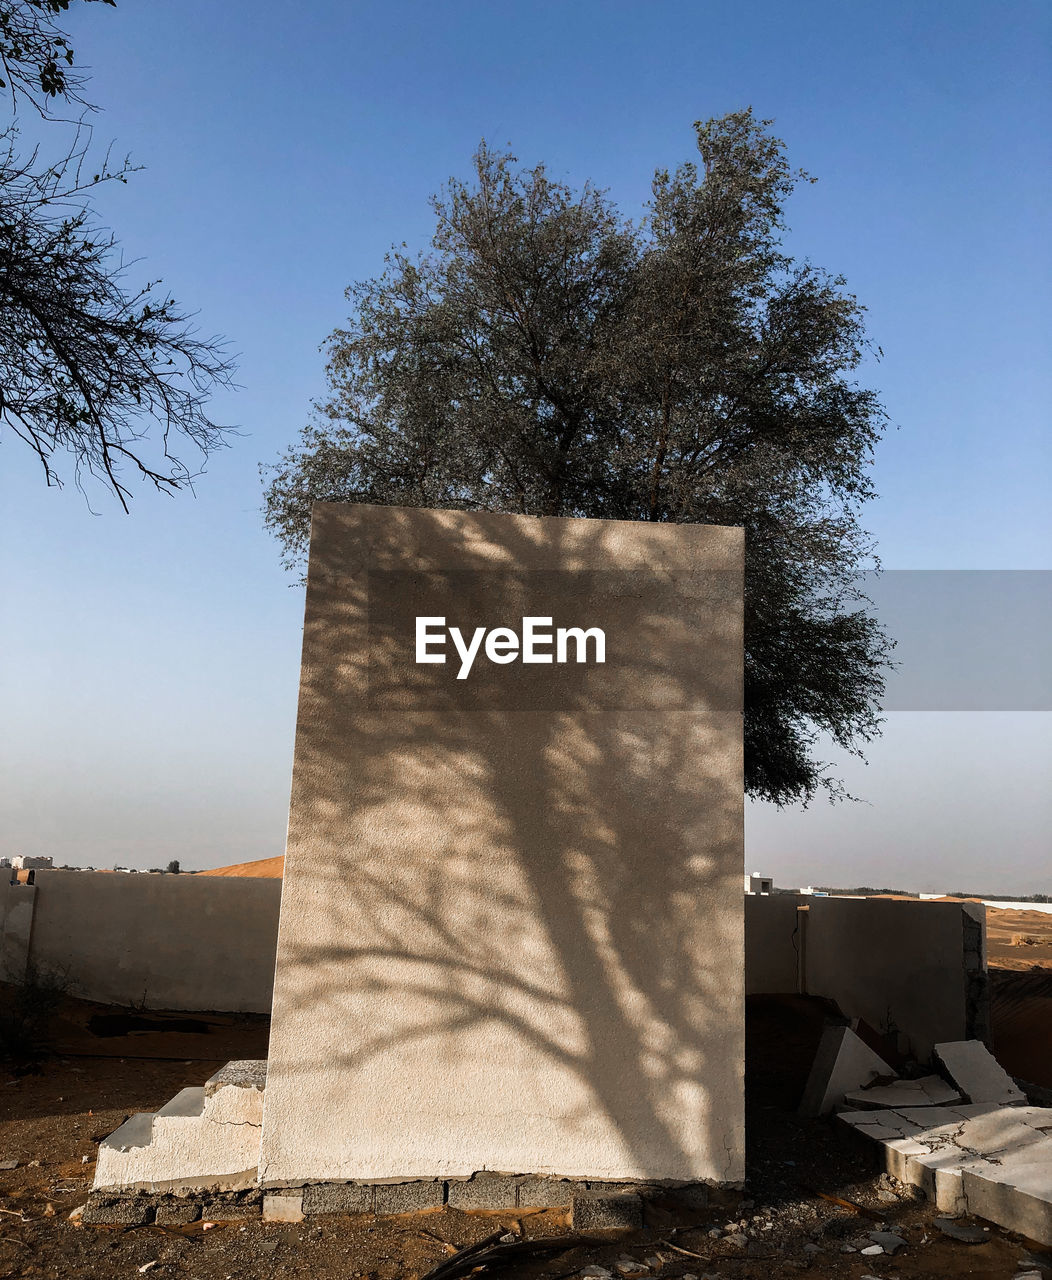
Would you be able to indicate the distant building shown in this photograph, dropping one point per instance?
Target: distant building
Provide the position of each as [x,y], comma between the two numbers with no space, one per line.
[756,883]
[31,862]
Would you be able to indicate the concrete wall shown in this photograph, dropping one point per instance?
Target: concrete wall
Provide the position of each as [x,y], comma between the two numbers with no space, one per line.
[169,941]
[772,943]
[915,967]
[511,929]
[16,923]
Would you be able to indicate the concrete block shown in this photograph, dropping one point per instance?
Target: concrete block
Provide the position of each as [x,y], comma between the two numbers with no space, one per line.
[484,1191]
[130,1212]
[337,1197]
[590,1210]
[177,1213]
[543,1193]
[220,1212]
[977,1073]
[286,1206]
[408,1197]
[842,1063]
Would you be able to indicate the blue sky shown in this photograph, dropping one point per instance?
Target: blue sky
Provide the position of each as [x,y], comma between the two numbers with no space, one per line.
[152,659]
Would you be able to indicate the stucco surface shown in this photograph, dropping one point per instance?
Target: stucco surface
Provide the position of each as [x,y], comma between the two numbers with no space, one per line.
[511,923]
[163,941]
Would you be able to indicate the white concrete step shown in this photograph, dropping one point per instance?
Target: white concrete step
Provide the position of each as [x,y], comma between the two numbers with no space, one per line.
[205,1139]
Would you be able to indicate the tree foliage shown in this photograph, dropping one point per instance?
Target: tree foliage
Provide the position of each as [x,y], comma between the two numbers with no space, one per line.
[94,372]
[549,357]
[36,57]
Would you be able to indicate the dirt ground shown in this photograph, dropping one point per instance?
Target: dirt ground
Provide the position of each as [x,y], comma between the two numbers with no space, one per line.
[783,1224]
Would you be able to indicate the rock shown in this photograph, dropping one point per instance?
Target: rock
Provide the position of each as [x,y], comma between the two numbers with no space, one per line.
[871,1250]
[961,1232]
[812,1248]
[630,1268]
[738,1239]
[596,1273]
[715,1233]
[848,1248]
[8,1164]
[888,1241]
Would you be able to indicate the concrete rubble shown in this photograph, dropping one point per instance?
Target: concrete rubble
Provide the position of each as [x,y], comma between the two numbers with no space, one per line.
[843,1062]
[927,1091]
[977,1073]
[989,1158]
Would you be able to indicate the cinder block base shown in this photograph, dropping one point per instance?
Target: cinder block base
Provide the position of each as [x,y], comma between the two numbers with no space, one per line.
[484,1191]
[176,1214]
[408,1197]
[590,1210]
[337,1197]
[117,1213]
[544,1193]
[231,1212]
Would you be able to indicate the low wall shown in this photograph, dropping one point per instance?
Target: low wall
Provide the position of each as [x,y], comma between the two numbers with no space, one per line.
[207,942]
[163,941]
[918,968]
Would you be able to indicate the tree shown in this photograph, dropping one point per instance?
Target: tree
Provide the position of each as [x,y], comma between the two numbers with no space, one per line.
[35,54]
[550,358]
[91,370]
[173,866]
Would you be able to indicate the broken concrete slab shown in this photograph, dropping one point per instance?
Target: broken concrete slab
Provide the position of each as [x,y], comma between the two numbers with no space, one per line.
[1016,1192]
[977,1073]
[962,1231]
[927,1091]
[992,1161]
[843,1062]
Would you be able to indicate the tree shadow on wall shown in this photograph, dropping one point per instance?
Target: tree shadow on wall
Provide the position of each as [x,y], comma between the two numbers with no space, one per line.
[512,909]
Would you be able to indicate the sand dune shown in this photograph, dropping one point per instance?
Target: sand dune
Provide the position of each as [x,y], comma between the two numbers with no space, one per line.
[268,868]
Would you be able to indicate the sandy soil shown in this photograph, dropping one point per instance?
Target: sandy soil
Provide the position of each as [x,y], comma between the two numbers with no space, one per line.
[1019,939]
[52,1120]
